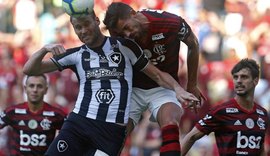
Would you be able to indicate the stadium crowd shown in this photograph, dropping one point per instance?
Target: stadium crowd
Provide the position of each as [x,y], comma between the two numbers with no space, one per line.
[228,30]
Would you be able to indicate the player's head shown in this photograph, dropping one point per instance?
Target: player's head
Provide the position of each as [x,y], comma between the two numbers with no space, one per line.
[36,87]
[120,22]
[86,26]
[245,76]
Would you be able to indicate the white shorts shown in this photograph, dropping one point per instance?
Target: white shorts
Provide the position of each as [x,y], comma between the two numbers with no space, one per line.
[152,99]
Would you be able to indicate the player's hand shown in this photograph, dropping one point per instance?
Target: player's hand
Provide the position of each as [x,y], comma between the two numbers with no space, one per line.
[54,49]
[196,92]
[188,100]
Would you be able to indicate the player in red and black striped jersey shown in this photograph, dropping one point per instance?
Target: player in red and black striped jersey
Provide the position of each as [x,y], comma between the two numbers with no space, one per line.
[34,123]
[159,34]
[239,124]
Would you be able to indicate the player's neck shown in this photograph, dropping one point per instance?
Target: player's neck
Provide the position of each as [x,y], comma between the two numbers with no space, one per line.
[245,102]
[34,108]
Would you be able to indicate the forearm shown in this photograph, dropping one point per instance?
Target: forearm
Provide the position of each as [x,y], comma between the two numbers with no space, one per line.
[33,65]
[167,81]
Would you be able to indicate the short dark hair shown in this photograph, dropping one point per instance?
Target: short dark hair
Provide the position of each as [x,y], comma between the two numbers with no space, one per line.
[116,11]
[92,14]
[251,64]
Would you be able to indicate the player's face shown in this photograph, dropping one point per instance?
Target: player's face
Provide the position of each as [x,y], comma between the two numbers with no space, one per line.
[243,82]
[35,88]
[130,28]
[87,29]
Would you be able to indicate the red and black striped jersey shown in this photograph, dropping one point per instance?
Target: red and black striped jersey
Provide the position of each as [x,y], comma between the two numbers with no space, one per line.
[237,131]
[162,45]
[31,132]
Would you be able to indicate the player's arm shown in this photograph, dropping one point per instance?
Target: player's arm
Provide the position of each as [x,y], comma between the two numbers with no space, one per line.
[167,81]
[190,139]
[36,64]
[192,65]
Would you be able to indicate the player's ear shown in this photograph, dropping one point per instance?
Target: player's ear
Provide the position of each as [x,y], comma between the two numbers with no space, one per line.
[132,12]
[97,20]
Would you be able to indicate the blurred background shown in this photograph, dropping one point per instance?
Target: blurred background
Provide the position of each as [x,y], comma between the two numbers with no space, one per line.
[228,30]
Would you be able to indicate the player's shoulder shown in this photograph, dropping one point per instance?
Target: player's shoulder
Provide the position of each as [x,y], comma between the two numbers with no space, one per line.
[53,110]
[224,106]
[261,110]
[75,49]
[127,43]
[16,107]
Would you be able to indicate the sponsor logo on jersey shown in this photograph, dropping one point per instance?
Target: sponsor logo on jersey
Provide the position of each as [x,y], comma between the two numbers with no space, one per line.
[103,59]
[32,139]
[105,96]
[89,59]
[157,36]
[32,124]
[261,123]
[62,146]
[21,123]
[114,46]
[45,124]
[237,123]
[259,111]
[249,123]
[102,72]
[232,110]
[115,57]
[252,142]
[20,111]
[48,113]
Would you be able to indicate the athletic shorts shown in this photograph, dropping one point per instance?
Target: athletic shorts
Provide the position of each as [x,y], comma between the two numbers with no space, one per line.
[152,99]
[81,136]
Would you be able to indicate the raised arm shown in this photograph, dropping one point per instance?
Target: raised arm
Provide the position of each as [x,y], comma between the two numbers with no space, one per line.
[190,139]
[37,65]
[167,81]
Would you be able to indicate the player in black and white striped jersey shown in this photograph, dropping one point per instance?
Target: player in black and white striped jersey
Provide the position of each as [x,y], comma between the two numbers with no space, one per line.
[104,67]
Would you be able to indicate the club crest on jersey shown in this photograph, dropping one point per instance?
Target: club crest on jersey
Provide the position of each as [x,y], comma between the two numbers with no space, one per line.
[32,124]
[249,123]
[45,124]
[261,123]
[105,96]
[232,110]
[62,146]
[115,57]
[159,49]
[157,36]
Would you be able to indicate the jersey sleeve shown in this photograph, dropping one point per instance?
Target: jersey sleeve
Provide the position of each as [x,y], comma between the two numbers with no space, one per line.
[66,60]
[134,53]
[4,119]
[184,30]
[209,123]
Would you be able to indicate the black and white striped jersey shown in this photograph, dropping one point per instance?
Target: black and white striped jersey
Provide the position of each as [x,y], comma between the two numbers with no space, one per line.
[105,77]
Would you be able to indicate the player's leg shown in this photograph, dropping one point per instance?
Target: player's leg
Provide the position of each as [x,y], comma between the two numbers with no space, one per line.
[137,107]
[167,111]
[168,117]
